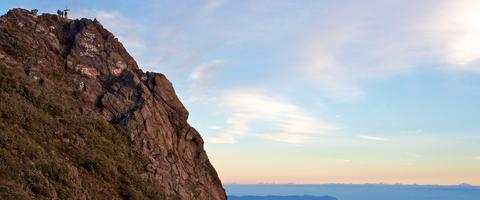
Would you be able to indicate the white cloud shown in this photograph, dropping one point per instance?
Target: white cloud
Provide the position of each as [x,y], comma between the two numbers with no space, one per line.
[368,137]
[457,22]
[254,113]
[477,158]
[220,139]
[465,47]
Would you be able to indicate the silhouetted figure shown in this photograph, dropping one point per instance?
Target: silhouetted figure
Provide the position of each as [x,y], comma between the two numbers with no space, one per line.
[65,13]
[59,13]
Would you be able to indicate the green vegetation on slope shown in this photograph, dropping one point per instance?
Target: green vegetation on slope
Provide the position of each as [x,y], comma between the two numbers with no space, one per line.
[49,149]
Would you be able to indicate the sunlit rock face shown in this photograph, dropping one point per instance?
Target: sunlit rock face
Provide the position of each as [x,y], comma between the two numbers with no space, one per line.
[92,74]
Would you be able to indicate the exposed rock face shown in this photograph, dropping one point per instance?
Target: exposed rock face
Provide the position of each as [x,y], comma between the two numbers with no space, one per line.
[92,62]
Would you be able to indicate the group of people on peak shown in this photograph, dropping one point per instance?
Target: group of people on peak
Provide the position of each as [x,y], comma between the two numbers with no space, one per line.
[62,13]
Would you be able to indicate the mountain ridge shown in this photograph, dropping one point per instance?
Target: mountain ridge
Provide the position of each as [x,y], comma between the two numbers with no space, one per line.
[277,197]
[72,92]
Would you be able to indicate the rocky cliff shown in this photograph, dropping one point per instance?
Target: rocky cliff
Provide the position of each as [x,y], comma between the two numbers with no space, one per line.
[80,120]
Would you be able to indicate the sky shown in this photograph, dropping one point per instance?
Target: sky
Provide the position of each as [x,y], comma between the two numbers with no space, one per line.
[314,91]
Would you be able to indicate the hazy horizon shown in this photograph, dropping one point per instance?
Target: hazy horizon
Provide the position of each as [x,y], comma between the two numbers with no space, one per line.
[314,91]
[358,192]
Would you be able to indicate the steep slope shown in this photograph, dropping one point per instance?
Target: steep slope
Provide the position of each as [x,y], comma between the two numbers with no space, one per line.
[80,120]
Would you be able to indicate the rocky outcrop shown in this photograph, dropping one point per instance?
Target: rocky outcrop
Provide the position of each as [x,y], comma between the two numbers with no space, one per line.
[81,57]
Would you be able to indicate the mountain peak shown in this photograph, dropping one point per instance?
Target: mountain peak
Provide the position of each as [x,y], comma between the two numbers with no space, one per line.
[77,71]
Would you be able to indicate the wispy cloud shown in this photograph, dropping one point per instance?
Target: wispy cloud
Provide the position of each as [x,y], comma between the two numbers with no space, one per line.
[202,74]
[111,19]
[133,42]
[360,47]
[375,138]
[200,78]
[343,54]
[343,161]
[213,4]
[285,137]
[255,113]
[214,127]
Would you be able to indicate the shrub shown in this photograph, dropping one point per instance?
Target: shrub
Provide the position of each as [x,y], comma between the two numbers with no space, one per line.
[7,193]
[127,192]
[12,45]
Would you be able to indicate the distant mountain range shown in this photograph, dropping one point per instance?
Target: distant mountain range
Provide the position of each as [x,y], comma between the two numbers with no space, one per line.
[274,197]
[352,192]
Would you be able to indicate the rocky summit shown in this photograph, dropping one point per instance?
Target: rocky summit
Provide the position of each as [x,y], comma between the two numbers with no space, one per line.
[80,120]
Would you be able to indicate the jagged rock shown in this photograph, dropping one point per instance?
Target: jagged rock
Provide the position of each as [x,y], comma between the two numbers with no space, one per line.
[144,105]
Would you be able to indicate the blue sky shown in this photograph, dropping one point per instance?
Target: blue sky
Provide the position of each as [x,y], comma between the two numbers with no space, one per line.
[315,91]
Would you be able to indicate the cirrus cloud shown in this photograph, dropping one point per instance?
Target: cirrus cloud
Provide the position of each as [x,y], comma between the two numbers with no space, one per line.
[375,138]
[257,114]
